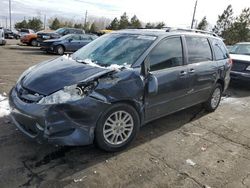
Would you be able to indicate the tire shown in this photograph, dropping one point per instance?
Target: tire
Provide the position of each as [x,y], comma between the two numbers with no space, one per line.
[214,100]
[121,134]
[34,42]
[59,50]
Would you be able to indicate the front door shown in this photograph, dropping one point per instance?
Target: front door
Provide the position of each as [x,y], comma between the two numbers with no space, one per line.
[166,64]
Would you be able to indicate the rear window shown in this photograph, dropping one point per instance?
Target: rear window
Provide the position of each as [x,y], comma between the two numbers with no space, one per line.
[198,49]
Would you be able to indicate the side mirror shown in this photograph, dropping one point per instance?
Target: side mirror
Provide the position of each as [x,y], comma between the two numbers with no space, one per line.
[70,40]
[152,84]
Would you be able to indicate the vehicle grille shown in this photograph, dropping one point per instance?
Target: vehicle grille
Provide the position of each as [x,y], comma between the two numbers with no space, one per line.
[240,66]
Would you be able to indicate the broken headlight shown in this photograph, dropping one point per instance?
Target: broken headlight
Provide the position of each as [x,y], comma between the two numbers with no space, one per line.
[68,93]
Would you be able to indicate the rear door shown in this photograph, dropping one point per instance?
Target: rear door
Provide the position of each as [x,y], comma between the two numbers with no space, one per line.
[202,70]
[85,39]
[167,64]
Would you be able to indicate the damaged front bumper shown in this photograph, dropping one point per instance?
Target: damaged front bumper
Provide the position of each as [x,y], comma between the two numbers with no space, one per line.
[71,123]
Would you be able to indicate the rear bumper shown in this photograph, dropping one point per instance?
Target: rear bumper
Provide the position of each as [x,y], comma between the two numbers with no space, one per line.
[240,76]
[59,124]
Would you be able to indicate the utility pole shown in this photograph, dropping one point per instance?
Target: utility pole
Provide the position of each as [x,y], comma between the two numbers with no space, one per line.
[10,12]
[6,22]
[44,21]
[85,20]
[192,24]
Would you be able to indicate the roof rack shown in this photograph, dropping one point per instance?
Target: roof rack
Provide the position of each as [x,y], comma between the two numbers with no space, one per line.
[170,29]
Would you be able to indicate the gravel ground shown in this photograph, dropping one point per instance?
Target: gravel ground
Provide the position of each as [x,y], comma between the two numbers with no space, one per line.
[190,148]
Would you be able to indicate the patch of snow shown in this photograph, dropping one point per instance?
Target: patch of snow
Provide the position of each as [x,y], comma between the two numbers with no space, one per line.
[230,100]
[190,162]
[112,66]
[4,106]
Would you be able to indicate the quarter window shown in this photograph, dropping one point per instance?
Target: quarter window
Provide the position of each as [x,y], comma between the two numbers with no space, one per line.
[198,49]
[167,54]
[220,50]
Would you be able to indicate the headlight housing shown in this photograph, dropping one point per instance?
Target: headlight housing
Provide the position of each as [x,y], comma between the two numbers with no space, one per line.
[68,93]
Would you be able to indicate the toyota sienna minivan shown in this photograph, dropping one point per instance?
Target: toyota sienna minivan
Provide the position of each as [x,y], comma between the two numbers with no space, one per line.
[108,89]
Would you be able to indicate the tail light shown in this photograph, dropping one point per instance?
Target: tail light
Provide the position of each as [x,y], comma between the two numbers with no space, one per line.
[230,61]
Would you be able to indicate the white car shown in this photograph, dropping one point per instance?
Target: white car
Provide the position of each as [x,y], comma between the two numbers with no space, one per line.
[240,55]
[2,39]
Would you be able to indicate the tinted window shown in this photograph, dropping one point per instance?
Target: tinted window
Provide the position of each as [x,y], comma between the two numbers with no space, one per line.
[220,50]
[75,37]
[167,54]
[85,37]
[198,49]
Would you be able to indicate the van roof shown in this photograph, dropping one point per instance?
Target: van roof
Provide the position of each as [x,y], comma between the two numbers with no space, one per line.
[164,32]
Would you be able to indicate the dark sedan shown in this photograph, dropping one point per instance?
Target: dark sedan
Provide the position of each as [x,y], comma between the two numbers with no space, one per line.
[67,43]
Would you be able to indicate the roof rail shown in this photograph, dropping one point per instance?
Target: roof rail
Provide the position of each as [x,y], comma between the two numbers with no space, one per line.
[169,29]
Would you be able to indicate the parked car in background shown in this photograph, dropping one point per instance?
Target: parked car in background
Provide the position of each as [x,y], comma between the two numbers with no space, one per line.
[229,47]
[29,39]
[240,54]
[11,34]
[2,39]
[112,86]
[58,33]
[22,32]
[67,43]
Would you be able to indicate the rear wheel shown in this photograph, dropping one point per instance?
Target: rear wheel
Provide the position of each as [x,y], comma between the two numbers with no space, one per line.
[117,127]
[214,100]
[60,50]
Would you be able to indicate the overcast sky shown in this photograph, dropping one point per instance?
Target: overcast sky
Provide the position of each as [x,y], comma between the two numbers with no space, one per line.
[172,12]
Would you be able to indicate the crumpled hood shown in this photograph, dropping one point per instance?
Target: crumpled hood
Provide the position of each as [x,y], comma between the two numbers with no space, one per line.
[51,76]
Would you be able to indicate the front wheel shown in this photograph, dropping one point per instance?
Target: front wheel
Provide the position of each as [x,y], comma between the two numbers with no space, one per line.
[34,42]
[117,127]
[214,100]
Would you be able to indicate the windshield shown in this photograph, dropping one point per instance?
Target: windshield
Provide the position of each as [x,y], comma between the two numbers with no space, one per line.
[243,49]
[120,49]
[60,31]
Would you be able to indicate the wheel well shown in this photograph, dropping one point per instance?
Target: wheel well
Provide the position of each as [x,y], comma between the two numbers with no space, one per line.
[221,82]
[61,46]
[134,105]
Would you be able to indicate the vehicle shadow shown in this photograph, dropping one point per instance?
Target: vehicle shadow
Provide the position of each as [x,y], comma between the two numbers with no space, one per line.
[71,160]
[238,89]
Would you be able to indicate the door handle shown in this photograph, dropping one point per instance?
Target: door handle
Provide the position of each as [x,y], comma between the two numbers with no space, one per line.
[183,73]
[191,71]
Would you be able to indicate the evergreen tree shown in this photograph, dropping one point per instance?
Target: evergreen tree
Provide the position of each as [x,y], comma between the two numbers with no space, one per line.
[135,22]
[224,21]
[35,23]
[149,26]
[93,28]
[124,22]
[203,24]
[160,25]
[22,24]
[55,24]
[114,25]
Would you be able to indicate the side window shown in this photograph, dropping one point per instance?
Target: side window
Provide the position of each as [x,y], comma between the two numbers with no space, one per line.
[85,37]
[167,54]
[220,50]
[198,49]
[75,37]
